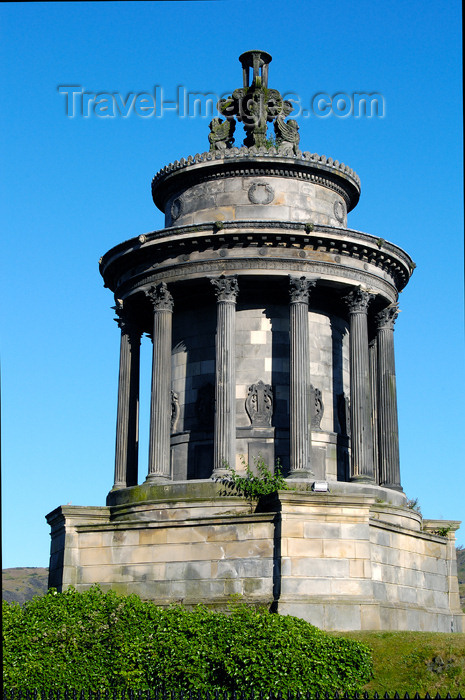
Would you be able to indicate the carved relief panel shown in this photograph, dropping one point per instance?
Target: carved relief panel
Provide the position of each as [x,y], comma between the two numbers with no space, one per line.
[259,404]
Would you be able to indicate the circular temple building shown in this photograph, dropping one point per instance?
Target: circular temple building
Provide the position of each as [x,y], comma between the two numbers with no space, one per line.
[272,326]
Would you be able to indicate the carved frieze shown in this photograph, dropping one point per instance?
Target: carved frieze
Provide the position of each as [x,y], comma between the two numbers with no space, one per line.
[315,267]
[317,407]
[259,404]
[256,170]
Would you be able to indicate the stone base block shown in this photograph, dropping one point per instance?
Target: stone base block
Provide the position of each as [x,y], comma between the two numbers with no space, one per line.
[341,560]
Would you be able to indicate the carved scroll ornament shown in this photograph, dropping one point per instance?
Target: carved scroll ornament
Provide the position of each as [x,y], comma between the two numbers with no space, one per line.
[317,407]
[259,404]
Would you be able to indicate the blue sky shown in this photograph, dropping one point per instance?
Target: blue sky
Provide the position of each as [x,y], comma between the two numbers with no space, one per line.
[74,187]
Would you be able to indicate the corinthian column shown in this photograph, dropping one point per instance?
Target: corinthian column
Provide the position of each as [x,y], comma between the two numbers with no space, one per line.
[160,406]
[360,389]
[388,434]
[224,440]
[127,421]
[299,409]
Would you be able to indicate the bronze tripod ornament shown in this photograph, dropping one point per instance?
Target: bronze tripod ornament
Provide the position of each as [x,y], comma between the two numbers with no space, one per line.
[254,105]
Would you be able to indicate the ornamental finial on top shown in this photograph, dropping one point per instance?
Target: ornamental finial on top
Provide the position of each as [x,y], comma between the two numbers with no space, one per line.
[254,105]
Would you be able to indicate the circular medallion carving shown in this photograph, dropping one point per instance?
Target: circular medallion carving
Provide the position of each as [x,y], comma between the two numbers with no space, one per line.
[176,209]
[261,193]
[339,211]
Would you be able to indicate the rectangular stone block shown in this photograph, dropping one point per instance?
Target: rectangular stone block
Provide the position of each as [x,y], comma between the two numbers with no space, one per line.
[315,529]
[187,570]
[253,211]
[258,587]
[339,549]
[259,337]
[343,617]
[356,568]
[370,617]
[96,556]
[95,574]
[92,539]
[337,568]
[291,527]
[153,536]
[350,587]
[247,548]
[294,547]
[221,213]
[233,184]
[240,568]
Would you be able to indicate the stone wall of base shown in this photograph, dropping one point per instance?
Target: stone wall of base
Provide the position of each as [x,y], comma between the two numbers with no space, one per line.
[340,561]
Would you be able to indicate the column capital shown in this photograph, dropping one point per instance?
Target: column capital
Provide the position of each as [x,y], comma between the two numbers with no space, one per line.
[127,326]
[299,289]
[160,297]
[226,288]
[386,318]
[357,300]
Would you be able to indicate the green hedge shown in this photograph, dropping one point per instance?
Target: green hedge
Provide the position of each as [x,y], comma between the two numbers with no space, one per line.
[103,640]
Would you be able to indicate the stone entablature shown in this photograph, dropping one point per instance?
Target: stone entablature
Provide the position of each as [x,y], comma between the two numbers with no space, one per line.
[187,247]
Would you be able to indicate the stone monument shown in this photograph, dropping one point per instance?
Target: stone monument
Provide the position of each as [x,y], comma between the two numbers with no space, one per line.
[272,326]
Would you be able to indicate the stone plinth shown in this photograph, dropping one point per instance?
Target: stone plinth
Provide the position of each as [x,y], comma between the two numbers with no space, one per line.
[341,560]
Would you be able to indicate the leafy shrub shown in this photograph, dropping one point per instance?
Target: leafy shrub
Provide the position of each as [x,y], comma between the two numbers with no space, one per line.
[102,640]
[252,486]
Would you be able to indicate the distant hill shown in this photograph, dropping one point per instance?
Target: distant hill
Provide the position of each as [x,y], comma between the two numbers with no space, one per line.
[23,583]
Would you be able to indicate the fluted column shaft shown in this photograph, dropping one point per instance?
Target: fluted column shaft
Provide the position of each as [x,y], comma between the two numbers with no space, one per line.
[160,406]
[373,353]
[388,431]
[299,398]
[127,420]
[360,389]
[224,438]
